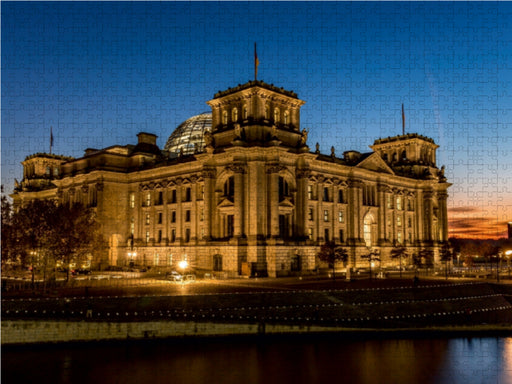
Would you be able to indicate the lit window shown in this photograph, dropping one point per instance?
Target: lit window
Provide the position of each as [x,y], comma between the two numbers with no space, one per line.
[48,172]
[245,113]
[234,115]
[399,237]
[276,115]
[224,117]
[310,233]
[147,236]
[148,199]
[340,217]
[147,218]
[399,203]
[399,221]
[132,200]
[286,117]
[389,201]
[310,214]
[326,215]
[310,192]
[132,226]
[55,171]
[157,259]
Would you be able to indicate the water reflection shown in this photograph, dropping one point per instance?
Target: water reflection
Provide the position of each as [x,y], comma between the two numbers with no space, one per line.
[319,360]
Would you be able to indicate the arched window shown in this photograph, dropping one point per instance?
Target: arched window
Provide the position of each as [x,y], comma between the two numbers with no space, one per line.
[234,115]
[283,188]
[368,229]
[404,155]
[224,117]
[286,117]
[229,188]
[394,156]
[245,113]
[276,115]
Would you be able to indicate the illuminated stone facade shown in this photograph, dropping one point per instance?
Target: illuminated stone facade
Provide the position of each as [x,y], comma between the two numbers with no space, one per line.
[252,197]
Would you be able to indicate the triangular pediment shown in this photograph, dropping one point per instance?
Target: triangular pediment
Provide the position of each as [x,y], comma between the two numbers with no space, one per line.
[375,163]
[225,202]
[286,203]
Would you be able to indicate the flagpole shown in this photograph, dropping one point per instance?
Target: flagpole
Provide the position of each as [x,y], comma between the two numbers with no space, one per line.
[51,139]
[403,120]
[256,63]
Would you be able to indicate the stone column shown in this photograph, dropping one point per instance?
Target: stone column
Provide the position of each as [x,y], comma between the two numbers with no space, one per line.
[443,215]
[428,215]
[381,198]
[208,199]
[301,204]
[273,204]
[354,212]
[193,211]
[239,170]
[179,211]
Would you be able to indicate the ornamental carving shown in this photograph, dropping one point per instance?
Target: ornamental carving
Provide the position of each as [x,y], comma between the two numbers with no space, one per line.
[85,188]
[236,168]
[99,187]
[275,168]
[302,173]
[209,172]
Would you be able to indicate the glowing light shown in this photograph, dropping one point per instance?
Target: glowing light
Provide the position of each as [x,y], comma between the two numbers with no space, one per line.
[183,264]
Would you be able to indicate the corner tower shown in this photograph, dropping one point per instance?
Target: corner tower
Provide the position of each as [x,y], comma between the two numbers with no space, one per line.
[256,114]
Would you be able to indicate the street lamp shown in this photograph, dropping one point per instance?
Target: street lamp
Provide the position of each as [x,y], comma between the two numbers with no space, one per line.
[131,257]
[508,254]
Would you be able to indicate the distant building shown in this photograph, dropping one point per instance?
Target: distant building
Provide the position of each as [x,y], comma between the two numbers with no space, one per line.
[238,191]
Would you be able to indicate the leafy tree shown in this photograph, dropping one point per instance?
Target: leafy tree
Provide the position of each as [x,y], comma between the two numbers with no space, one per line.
[330,253]
[399,252]
[445,255]
[44,233]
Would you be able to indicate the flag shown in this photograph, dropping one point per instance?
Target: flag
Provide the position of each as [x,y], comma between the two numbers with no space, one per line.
[256,63]
[403,120]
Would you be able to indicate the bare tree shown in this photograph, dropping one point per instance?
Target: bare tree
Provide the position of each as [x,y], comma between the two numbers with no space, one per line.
[399,252]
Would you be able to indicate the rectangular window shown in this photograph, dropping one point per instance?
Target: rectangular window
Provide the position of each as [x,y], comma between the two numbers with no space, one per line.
[389,205]
[310,233]
[399,237]
[173,236]
[147,236]
[342,239]
[187,235]
[147,218]
[159,235]
[132,200]
[148,199]
[187,194]
[160,217]
[173,196]
[326,215]
[173,216]
[310,192]
[160,198]
[340,196]
[409,223]
[326,234]
[410,237]
[326,194]
[187,215]
[341,219]
[399,203]
[399,221]
[132,227]
[310,214]
[202,214]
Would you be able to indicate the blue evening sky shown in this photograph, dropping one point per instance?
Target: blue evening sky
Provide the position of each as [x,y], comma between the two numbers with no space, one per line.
[100,72]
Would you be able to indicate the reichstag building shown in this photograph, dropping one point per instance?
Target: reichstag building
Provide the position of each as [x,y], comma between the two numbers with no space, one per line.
[238,191]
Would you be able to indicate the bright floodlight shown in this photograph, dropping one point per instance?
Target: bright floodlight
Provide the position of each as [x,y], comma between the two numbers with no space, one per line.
[183,264]
[508,253]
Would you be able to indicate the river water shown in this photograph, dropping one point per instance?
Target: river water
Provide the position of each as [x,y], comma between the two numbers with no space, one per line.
[320,359]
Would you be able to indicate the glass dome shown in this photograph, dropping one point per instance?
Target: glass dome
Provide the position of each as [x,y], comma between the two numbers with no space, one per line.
[189,135]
